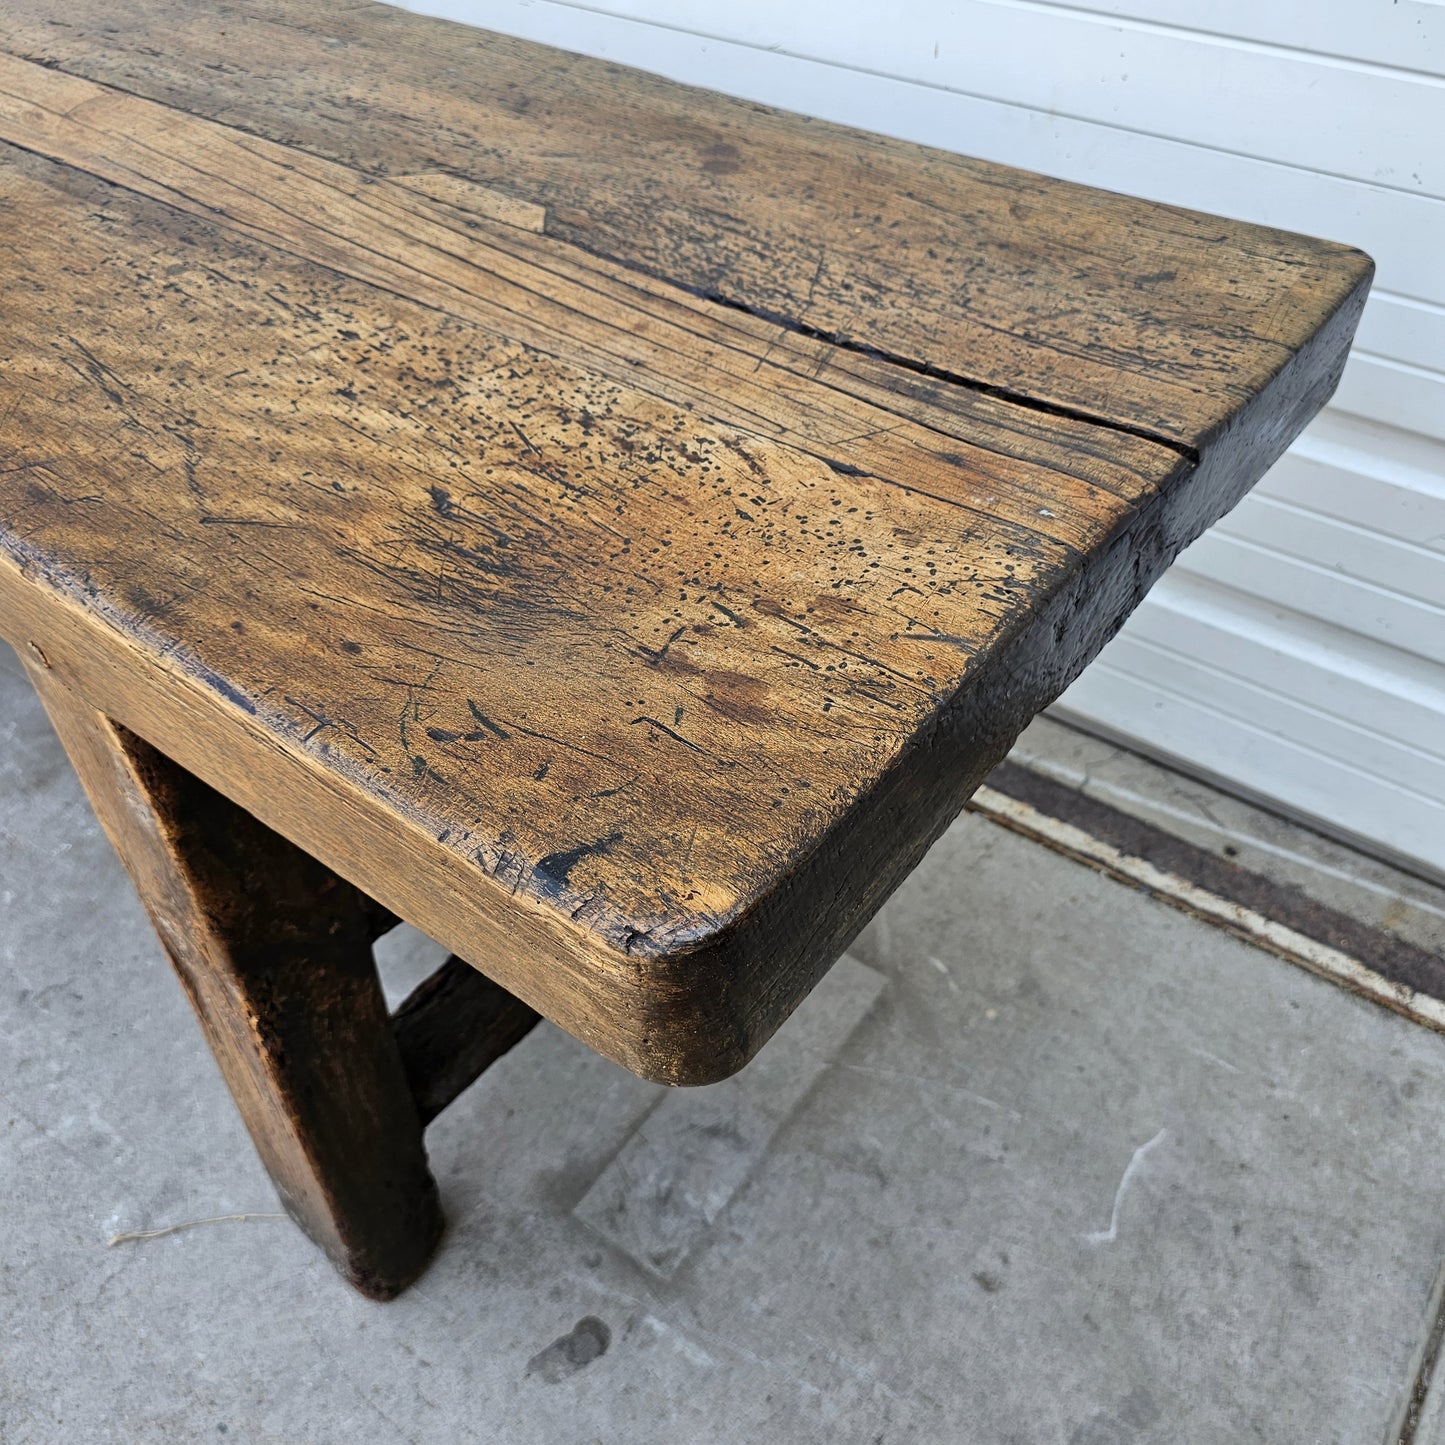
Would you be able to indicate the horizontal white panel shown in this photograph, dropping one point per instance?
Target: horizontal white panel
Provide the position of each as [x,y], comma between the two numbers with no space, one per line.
[1275,705]
[1405,234]
[1322,591]
[1272,767]
[1368,753]
[1374,688]
[1380,492]
[1401,329]
[1339,118]
[1356,444]
[1343,548]
[1410,35]
[1394,393]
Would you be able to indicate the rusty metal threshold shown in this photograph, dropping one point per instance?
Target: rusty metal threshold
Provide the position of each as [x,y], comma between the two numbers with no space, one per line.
[1275,916]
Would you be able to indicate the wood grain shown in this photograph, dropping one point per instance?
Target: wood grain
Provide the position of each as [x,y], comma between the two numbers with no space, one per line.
[469,199]
[274,952]
[628,614]
[451,1028]
[1145,314]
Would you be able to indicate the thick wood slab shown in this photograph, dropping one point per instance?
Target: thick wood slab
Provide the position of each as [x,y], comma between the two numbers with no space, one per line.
[621,550]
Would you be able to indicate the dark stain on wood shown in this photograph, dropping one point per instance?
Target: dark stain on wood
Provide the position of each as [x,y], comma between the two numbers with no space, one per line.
[555,870]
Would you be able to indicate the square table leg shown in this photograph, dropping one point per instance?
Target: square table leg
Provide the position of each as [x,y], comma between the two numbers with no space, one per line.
[274,951]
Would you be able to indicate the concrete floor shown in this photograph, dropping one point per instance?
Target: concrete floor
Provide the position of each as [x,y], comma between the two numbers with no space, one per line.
[1045,1161]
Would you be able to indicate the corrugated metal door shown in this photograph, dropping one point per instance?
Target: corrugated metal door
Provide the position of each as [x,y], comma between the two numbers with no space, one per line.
[1297,652]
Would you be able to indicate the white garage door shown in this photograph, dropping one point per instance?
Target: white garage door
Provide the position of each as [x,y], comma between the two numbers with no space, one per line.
[1297,652]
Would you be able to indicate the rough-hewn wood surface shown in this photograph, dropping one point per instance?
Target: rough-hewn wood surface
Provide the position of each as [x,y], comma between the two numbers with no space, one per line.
[621,550]
[275,954]
[451,1028]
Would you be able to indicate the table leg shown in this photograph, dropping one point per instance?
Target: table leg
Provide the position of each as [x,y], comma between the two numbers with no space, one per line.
[275,952]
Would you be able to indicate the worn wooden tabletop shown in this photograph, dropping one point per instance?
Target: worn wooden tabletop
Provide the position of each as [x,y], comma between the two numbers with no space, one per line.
[614,525]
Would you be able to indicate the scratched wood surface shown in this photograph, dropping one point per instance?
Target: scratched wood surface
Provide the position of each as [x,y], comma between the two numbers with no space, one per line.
[614,526]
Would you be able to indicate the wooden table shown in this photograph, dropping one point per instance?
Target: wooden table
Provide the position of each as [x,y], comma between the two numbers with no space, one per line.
[611,526]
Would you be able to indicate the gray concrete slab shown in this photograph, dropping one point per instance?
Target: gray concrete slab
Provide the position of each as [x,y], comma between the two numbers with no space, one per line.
[664,1192]
[1087,1171]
